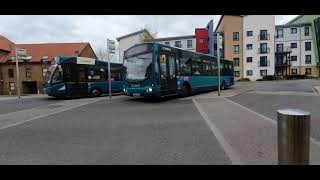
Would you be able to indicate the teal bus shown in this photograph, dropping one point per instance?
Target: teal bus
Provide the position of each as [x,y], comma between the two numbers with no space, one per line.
[70,77]
[156,70]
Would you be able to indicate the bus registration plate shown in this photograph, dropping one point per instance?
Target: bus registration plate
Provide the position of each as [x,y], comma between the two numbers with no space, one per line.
[136,94]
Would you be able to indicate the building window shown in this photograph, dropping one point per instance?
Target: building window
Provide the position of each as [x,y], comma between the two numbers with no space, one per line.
[294,71]
[263,35]
[249,73]
[236,49]
[11,86]
[28,71]
[189,43]
[249,59]
[308,59]
[263,72]
[177,44]
[279,48]
[308,46]
[306,31]
[293,30]
[263,48]
[235,62]
[236,73]
[263,61]
[308,71]
[10,73]
[249,33]
[293,45]
[201,41]
[279,33]
[167,43]
[44,71]
[249,46]
[236,36]
[294,58]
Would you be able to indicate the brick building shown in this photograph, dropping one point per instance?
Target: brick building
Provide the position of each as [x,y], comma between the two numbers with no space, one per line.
[33,68]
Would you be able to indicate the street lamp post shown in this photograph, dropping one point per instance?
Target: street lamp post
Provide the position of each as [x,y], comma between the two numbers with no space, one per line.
[109,72]
[218,60]
[18,78]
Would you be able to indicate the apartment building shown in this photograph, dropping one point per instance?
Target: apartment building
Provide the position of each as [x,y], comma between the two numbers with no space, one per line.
[295,50]
[258,46]
[230,28]
[314,20]
[183,42]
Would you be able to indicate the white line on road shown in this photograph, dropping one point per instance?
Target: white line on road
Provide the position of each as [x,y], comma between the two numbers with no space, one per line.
[56,112]
[312,140]
[225,145]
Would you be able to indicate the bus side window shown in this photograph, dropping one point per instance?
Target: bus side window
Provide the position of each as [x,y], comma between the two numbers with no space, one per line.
[214,66]
[197,66]
[185,66]
[206,68]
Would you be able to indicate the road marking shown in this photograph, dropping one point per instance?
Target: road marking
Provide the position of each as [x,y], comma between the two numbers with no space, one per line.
[225,145]
[312,140]
[59,111]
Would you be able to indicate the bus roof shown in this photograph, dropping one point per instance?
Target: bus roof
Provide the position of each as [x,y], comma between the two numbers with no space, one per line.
[198,53]
[60,59]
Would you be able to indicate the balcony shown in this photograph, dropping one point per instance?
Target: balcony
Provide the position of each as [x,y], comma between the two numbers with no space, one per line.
[264,63]
[282,63]
[283,50]
[263,37]
[264,50]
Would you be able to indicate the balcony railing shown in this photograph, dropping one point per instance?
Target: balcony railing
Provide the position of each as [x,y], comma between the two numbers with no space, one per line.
[281,63]
[263,37]
[283,50]
[263,50]
[264,63]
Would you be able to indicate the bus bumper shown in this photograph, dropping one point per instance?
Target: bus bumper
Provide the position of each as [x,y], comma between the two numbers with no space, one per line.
[145,92]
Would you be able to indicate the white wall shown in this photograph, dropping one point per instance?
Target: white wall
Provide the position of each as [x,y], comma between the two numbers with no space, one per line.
[183,43]
[300,39]
[128,42]
[255,23]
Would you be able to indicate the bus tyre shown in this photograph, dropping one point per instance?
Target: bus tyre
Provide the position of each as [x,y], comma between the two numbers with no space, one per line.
[95,93]
[186,90]
[223,85]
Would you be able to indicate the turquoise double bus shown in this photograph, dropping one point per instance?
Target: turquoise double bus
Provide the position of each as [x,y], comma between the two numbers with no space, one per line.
[70,77]
[156,70]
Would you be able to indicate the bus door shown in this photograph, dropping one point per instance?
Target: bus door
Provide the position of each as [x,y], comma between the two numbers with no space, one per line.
[81,88]
[69,74]
[168,79]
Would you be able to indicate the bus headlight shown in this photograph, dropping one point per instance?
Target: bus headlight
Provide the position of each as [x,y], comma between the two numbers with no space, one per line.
[124,90]
[150,89]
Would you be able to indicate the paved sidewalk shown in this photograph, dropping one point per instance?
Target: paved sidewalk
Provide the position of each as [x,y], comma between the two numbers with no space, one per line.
[7,97]
[246,136]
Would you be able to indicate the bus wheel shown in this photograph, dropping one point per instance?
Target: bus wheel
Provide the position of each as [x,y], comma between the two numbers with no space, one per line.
[186,90]
[223,85]
[95,93]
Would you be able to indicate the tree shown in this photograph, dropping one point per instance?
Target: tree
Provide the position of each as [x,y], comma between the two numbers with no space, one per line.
[149,37]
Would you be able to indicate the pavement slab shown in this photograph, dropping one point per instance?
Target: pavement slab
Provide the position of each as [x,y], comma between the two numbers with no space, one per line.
[252,136]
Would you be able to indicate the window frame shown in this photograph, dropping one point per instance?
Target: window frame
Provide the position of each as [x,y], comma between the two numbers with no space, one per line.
[10,73]
[308,62]
[236,52]
[234,60]
[189,40]
[263,70]
[278,36]
[235,36]
[294,28]
[249,58]
[305,46]
[249,74]
[249,33]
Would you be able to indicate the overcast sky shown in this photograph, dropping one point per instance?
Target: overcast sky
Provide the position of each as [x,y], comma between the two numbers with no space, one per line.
[96,29]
